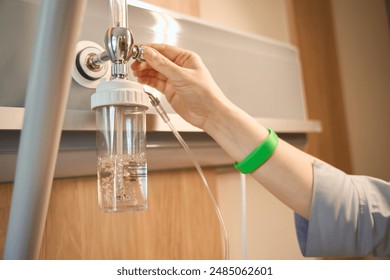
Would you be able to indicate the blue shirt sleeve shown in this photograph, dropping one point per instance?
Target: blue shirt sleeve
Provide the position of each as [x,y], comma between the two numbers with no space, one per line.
[350,216]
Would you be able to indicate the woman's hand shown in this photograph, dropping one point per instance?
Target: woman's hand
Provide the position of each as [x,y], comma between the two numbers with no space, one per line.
[183,78]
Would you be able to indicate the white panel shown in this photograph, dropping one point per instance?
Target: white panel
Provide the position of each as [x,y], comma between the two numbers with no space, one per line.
[260,75]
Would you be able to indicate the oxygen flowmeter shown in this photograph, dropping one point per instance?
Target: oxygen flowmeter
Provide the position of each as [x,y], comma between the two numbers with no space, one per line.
[120,107]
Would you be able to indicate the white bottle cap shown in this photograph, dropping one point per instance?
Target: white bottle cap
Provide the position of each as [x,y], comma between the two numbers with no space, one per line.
[119,92]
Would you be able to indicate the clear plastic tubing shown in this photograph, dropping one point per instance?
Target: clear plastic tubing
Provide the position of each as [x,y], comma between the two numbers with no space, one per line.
[243,216]
[118,13]
[120,107]
[200,171]
[160,110]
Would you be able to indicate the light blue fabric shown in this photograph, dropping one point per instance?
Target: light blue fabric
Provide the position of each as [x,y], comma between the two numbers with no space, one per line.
[350,216]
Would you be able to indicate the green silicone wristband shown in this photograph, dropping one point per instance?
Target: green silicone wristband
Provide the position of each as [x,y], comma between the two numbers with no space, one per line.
[260,155]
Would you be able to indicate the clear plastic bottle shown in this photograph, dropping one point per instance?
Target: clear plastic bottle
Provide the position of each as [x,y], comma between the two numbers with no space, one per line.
[120,107]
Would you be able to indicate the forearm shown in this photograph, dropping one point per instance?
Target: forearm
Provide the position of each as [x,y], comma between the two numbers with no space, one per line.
[288,174]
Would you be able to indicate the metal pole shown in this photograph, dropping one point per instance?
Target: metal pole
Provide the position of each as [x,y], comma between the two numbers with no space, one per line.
[46,98]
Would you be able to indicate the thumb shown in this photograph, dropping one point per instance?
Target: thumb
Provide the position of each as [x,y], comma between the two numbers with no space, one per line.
[161,64]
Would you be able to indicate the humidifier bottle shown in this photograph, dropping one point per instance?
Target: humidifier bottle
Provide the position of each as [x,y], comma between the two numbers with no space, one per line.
[120,106]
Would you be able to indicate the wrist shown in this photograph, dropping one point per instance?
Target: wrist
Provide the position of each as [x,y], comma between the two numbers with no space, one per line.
[219,114]
[234,130]
[259,155]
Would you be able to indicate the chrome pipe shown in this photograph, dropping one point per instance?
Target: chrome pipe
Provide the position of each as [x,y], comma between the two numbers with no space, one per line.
[95,61]
[118,13]
[119,47]
[46,98]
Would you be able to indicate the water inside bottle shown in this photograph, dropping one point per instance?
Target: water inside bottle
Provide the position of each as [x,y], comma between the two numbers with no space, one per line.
[122,182]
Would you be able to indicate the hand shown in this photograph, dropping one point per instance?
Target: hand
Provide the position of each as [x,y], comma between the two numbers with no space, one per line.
[183,78]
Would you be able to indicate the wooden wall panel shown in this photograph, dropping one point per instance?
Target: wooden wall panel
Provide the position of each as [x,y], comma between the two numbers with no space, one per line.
[5,202]
[169,229]
[311,26]
[180,222]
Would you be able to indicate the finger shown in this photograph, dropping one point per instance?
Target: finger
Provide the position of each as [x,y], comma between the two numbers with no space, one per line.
[168,51]
[139,66]
[162,64]
[150,73]
[154,82]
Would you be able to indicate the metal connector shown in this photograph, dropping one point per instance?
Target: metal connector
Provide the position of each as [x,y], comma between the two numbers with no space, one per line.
[138,53]
[153,100]
[95,61]
[91,58]
[160,110]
